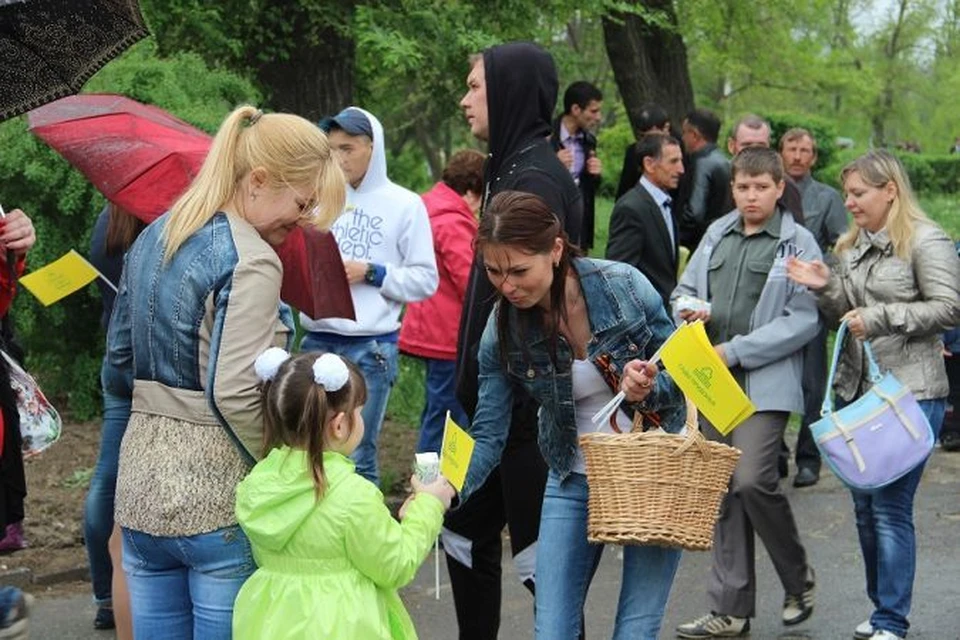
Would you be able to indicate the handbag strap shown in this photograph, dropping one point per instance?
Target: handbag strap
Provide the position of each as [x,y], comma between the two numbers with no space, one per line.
[874,369]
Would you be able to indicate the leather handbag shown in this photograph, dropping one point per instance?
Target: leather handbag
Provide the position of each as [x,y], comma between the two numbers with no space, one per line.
[879,437]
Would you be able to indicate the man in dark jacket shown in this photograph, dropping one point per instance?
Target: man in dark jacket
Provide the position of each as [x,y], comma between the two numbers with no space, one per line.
[710,196]
[576,146]
[511,91]
[653,119]
[643,227]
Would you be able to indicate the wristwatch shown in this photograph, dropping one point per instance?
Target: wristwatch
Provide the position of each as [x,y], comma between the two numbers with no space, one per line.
[370,277]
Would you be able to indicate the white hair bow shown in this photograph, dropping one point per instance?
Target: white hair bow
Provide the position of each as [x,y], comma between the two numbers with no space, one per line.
[268,363]
[330,371]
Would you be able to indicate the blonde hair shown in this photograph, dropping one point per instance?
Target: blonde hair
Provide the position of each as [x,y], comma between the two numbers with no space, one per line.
[292,150]
[877,169]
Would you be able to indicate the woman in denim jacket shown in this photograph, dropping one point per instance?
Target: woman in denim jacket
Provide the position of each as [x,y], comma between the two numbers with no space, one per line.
[197,303]
[897,284]
[570,331]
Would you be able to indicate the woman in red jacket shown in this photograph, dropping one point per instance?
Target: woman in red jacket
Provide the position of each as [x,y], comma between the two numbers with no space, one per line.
[430,327]
[16,238]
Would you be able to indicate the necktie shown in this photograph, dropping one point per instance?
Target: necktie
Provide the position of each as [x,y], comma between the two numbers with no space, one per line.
[668,219]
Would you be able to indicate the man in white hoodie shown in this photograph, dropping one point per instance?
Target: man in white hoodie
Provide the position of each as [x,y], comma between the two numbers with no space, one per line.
[387,250]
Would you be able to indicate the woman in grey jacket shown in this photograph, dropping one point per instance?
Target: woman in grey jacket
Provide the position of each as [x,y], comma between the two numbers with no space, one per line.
[896,284]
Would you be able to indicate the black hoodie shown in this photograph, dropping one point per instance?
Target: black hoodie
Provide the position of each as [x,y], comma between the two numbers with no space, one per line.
[521,82]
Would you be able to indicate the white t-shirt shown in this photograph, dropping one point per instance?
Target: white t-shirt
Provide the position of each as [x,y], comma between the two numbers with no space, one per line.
[590,394]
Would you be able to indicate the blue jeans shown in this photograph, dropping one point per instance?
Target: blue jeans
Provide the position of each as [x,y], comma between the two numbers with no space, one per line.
[377,360]
[98,509]
[566,563]
[441,396]
[184,587]
[888,541]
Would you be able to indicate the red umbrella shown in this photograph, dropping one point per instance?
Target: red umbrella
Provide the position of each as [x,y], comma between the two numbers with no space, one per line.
[314,280]
[142,158]
[139,156]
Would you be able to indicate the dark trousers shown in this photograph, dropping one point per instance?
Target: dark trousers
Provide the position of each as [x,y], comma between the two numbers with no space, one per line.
[511,496]
[814,384]
[951,422]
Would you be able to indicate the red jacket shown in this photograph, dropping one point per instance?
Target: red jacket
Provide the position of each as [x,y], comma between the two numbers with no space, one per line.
[430,327]
[7,290]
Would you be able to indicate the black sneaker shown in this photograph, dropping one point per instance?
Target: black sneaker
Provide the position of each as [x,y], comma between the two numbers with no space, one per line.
[799,607]
[714,625]
[806,477]
[950,441]
[104,619]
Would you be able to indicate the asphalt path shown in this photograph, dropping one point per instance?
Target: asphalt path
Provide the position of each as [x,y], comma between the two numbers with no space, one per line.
[825,517]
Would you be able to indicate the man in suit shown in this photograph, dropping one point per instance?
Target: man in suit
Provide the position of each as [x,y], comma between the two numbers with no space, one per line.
[576,145]
[643,228]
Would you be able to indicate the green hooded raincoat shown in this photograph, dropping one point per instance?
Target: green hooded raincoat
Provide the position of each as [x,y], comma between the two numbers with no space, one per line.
[328,568]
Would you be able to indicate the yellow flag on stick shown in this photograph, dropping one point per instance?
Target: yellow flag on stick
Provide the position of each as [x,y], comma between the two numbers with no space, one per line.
[60,278]
[704,378]
[455,453]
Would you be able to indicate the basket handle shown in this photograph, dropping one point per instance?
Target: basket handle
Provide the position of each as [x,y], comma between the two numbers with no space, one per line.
[694,437]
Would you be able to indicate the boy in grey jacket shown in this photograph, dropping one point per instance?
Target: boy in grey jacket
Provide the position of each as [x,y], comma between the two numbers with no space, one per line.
[759,322]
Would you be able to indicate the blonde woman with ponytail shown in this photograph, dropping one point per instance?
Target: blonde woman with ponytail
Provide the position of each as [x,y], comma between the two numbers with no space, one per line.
[897,284]
[198,301]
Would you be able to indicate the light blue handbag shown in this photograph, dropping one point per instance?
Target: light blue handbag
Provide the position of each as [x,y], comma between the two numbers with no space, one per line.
[879,437]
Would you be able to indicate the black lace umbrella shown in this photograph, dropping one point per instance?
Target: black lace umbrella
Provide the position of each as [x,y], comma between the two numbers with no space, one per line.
[50,48]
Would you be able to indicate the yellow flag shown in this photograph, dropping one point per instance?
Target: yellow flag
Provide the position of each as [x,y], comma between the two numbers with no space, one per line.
[60,278]
[704,378]
[455,453]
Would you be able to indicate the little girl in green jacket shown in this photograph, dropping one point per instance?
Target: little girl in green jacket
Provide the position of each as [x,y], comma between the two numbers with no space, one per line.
[330,555]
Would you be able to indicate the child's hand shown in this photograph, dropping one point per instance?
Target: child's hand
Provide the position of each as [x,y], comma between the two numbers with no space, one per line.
[406,503]
[439,488]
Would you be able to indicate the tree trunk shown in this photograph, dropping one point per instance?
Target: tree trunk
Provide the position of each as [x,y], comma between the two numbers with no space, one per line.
[316,80]
[649,61]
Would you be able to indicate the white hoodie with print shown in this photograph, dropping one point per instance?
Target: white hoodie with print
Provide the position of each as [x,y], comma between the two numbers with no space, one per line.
[385,224]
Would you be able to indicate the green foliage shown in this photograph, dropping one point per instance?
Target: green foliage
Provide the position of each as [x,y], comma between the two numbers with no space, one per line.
[611,143]
[64,343]
[929,174]
[408,394]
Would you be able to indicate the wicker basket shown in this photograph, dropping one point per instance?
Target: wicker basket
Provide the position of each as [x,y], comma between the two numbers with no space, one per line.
[656,488]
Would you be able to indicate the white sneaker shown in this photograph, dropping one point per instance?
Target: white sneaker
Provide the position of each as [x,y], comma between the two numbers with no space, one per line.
[882,634]
[798,607]
[864,631]
[715,625]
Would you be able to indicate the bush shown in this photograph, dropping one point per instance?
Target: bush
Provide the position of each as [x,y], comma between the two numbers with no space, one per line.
[611,142]
[64,342]
[929,174]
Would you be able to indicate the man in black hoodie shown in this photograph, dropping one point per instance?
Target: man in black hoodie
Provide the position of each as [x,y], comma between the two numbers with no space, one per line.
[511,93]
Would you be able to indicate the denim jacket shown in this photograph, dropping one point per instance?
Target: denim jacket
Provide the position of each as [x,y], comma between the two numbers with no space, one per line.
[186,332]
[628,322]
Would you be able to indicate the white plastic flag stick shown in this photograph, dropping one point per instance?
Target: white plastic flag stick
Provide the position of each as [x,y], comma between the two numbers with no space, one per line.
[436,568]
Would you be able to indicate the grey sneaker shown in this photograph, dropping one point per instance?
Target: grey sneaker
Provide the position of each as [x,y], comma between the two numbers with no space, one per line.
[885,635]
[714,625]
[864,631]
[798,607]
[14,626]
